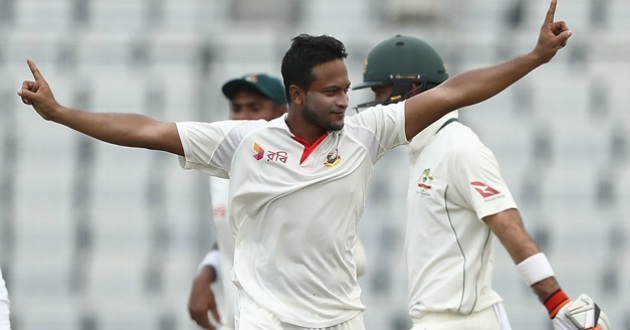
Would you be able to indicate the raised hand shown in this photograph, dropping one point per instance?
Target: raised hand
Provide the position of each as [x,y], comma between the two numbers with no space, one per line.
[38,94]
[553,35]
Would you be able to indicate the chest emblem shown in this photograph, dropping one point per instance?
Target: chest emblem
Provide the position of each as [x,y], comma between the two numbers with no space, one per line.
[483,189]
[332,159]
[425,179]
[260,153]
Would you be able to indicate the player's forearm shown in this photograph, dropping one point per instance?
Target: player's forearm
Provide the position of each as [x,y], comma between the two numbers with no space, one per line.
[478,85]
[509,229]
[129,130]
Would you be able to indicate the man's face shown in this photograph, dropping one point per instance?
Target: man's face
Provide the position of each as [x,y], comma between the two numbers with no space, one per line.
[327,97]
[382,93]
[247,105]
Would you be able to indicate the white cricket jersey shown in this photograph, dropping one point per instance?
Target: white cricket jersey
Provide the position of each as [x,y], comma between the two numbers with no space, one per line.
[5,324]
[219,189]
[295,208]
[454,183]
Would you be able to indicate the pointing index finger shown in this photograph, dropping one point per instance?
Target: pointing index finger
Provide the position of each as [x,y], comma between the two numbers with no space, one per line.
[34,70]
[552,11]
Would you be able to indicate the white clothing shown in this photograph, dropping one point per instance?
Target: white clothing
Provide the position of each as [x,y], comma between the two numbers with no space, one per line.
[254,317]
[491,318]
[455,182]
[5,323]
[295,208]
[225,239]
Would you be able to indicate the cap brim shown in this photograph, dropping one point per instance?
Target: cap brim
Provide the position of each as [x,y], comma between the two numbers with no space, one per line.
[368,84]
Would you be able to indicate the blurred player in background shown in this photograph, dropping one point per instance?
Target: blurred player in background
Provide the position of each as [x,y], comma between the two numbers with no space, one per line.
[252,97]
[457,200]
[5,323]
[298,183]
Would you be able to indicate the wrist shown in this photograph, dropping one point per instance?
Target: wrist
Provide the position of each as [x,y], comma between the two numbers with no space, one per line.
[535,269]
[206,276]
[212,259]
[555,302]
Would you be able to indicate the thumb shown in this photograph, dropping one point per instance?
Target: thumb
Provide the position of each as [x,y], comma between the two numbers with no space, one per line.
[27,96]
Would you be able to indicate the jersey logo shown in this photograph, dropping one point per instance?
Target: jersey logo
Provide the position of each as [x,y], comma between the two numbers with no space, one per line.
[425,179]
[483,189]
[332,159]
[278,156]
[260,153]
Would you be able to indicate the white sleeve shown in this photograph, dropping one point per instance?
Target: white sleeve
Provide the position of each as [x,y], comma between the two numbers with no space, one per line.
[478,180]
[209,147]
[4,305]
[386,124]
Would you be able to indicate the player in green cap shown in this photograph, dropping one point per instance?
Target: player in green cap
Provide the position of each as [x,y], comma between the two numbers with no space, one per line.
[457,202]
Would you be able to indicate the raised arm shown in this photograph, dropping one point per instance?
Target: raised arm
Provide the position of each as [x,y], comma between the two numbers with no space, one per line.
[129,130]
[478,85]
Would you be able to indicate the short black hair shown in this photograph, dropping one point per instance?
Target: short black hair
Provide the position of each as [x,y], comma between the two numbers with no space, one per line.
[306,52]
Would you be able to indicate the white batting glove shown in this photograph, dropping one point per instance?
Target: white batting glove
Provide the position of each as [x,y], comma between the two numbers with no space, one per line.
[581,314]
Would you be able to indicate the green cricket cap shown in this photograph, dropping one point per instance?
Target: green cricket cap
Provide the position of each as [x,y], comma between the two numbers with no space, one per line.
[269,86]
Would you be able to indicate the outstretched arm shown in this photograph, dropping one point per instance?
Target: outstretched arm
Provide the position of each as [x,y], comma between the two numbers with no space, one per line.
[129,130]
[478,85]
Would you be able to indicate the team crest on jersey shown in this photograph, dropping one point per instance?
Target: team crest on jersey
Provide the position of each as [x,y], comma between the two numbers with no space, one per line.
[260,153]
[483,189]
[332,159]
[425,182]
[425,179]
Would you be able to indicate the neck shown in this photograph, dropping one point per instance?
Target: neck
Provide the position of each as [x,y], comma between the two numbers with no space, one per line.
[302,128]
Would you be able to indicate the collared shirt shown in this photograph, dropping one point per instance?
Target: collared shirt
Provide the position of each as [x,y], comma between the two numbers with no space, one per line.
[295,208]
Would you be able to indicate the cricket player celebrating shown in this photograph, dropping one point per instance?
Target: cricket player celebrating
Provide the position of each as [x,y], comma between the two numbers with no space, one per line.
[252,97]
[457,200]
[298,183]
[5,323]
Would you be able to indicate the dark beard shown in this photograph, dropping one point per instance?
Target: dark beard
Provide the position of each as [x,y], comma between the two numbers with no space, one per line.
[312,118]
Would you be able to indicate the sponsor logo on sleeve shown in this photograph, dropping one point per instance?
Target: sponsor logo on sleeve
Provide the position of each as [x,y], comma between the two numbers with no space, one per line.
[483,189]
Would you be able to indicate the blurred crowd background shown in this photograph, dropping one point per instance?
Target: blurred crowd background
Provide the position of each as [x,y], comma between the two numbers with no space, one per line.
[96,237]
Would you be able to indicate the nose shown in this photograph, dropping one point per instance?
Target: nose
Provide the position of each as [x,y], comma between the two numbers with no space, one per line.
[342,101]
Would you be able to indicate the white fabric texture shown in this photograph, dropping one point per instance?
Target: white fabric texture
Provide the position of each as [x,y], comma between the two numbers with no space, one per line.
[454,182]
[491,318]
[5,323]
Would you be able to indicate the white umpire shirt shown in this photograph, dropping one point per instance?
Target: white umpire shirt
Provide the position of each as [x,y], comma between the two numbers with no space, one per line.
[454,183]
[4,305]
[295,208]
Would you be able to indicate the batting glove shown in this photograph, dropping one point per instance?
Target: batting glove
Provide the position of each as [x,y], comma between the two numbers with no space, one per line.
[581,314]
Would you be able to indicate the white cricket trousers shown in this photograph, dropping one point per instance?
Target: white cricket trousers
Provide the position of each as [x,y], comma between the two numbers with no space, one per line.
[491,318]
[251,316]
[4,305]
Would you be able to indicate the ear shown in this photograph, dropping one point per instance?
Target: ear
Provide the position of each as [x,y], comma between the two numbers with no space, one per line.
[297,95]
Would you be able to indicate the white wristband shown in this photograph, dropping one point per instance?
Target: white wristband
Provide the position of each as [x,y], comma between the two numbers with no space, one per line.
[213,259]
[535,269]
